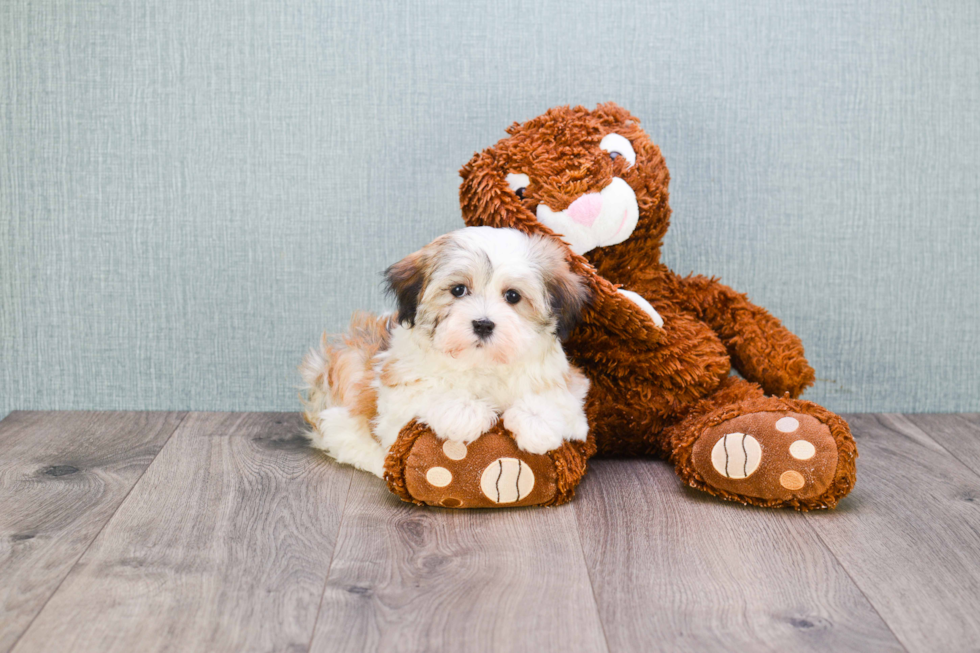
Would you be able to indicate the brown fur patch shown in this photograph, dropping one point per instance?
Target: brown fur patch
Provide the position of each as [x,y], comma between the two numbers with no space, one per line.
[568,293]
[340,373]
[407,279]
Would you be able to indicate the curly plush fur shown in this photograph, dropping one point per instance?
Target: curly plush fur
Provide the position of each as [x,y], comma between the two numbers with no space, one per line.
[655,391]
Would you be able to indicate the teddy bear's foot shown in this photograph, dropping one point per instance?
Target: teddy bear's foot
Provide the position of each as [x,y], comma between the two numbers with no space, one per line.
[769,455]
[772,452]
[490,472]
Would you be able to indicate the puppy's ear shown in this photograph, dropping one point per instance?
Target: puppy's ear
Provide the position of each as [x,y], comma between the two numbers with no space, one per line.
[569,296]
[568,293]
[405,281]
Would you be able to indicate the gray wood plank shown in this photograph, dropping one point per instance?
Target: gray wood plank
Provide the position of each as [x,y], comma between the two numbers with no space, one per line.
[676,570]
[406,578]
[62,476]
[959,434]
[909,535]
[223,545]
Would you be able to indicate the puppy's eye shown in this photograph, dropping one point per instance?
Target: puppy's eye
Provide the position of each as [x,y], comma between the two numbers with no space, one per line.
[518,183]
[512,296]
[617,146]
[458,291]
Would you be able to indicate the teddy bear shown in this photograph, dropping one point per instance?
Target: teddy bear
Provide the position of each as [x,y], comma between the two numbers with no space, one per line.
[659,348]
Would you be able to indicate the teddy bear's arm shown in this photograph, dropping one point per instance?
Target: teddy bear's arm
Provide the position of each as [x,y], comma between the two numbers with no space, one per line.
[761,348]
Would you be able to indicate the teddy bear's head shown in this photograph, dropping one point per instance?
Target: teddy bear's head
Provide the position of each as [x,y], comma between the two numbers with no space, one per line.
[593,178]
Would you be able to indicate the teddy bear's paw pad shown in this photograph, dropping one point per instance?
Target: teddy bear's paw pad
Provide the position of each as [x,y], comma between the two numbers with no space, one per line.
[507,480]
[769,455]
[486,473]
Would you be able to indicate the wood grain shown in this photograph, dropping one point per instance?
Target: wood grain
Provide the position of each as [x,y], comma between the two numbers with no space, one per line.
[223,545]
[221,539]
[62,476]
[959,434]
[909,534]
[674,569]
[406,578]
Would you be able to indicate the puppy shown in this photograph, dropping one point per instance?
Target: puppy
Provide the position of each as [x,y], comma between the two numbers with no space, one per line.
[481,313]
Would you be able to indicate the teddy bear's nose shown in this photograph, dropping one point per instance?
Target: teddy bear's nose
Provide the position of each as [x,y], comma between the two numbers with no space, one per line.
[585,209]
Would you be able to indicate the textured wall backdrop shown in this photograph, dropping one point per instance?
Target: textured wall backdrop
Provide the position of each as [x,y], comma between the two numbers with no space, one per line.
[191,191]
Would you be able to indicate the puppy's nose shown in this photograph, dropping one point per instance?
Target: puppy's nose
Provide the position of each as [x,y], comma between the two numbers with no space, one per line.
[585,209]
[483,328]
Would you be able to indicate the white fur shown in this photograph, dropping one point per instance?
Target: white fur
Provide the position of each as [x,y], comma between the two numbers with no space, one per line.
[441,373]
[461,400]
[349,440]
[541,421]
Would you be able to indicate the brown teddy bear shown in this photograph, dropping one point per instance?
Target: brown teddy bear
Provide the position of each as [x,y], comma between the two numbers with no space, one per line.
[657,347]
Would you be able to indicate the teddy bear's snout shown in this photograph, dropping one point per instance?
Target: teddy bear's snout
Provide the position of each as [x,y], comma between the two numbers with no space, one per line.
[585,209]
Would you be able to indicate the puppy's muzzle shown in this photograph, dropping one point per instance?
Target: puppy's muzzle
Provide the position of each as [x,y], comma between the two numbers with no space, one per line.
[483,328]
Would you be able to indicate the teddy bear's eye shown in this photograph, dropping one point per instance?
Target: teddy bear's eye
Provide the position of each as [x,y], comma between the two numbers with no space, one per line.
[458,291]
[518,183]
[617,146]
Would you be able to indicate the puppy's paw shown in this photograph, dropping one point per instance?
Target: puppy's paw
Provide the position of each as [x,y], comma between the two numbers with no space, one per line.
[537,429]
[578,426]
[459,420]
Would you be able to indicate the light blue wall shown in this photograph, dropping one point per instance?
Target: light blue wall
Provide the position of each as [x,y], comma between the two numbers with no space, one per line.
[190,191]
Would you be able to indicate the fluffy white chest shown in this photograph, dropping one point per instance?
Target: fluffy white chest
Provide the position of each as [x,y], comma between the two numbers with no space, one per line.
[414,383]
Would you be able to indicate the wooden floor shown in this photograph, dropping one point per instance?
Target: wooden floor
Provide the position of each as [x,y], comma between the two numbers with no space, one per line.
[223,532]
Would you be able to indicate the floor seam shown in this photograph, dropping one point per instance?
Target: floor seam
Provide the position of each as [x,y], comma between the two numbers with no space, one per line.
[588,574]
[840,563]
[942,446]
[88,546]
[333,555]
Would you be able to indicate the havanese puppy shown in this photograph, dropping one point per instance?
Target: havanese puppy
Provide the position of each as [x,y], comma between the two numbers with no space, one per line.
[476,338]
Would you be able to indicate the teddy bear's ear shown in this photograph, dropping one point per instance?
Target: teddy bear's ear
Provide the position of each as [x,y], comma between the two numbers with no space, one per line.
[487,200]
